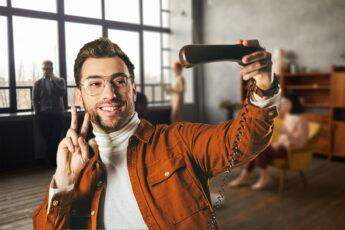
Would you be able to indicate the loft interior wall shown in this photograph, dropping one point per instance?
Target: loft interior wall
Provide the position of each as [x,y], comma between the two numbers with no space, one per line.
[312,29]
[181,31]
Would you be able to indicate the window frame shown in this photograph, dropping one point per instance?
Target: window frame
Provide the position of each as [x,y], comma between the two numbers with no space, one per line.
[9,11]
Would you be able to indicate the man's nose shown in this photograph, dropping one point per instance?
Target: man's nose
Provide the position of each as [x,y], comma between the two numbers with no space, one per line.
[109,92]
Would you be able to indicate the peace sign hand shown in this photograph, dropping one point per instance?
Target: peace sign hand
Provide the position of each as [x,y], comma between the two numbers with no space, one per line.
[73,152]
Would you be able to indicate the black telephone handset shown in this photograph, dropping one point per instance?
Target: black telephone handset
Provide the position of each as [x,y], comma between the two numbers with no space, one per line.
[191,55]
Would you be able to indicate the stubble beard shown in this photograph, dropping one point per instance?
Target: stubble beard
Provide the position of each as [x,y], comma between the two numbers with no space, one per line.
[96,119]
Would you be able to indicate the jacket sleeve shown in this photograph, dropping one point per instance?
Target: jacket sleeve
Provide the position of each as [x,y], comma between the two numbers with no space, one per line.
[59,87]
[211,146]
[36,97]
[58,216]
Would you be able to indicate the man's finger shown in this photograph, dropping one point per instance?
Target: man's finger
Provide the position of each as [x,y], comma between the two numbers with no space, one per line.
[71,133]
[256,56]
[253,43]
[74,118]
[69,144]
[255,66]
[250,75]
[85,125]
[84,149]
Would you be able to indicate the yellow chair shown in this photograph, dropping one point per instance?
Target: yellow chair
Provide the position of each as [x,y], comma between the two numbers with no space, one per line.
[298,159]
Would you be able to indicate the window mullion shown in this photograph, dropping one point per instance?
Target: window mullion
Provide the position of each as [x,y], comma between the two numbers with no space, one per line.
[11,62]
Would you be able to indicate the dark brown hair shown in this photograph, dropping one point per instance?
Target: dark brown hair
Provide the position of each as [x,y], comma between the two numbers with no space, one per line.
[49,62]
[100,48]
[297,107]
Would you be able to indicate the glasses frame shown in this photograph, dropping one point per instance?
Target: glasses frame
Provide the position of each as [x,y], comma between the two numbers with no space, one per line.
[106,79]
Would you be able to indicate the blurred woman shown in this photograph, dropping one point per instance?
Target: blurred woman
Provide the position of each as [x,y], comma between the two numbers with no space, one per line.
[293,133]
[177,93]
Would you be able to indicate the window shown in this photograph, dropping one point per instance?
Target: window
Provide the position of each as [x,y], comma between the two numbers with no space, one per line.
[4,53]
[129,43]
[122,11]
[84,8]
[77,34]
[4,84]
[151,14]
[152,65]
[59,28]
[30,50]
[40,5]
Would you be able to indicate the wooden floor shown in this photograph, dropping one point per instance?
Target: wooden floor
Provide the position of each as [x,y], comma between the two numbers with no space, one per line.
[320,206]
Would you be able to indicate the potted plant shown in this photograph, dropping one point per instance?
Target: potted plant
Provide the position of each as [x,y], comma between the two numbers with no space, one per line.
[230,108]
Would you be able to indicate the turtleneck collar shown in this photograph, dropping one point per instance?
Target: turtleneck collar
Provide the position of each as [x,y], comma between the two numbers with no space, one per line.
[119,136]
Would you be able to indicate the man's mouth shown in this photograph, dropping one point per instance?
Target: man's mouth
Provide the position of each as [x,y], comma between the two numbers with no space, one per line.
[110,108]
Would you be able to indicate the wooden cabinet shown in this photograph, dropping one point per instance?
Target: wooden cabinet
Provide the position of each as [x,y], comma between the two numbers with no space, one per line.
[338,140]
[337,111]
[323,98]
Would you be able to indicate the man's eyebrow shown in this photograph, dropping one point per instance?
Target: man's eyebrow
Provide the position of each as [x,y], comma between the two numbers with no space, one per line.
[120,74]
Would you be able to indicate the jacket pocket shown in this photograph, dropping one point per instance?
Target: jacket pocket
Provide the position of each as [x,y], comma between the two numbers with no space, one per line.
[80,217]
[174,191]
[166,170]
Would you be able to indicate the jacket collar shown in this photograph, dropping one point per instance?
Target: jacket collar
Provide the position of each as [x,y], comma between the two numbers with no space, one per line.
[144,131]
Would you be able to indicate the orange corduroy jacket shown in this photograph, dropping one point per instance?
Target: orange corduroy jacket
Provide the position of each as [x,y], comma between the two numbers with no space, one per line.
[169,168]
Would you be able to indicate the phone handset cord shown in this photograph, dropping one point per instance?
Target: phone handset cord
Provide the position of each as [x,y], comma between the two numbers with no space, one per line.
[233,156]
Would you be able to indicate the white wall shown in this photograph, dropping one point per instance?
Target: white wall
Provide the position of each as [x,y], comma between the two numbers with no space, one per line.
[312,29]
[181,30]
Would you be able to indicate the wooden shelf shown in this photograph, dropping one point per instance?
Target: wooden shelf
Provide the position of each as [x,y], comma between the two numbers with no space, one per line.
[308,87]
[306,75]
[315,105]
[338,123]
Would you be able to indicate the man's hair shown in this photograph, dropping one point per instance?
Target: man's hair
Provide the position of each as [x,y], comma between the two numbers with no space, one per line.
[100,48]
[49,62]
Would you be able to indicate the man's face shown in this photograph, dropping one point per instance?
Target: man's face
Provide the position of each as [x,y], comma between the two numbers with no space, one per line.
[113,107]
[47,69]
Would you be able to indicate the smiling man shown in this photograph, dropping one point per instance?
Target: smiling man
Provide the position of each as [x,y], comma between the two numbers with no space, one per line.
[142,176]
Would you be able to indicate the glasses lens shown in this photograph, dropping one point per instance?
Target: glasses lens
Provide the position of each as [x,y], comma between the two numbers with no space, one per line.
[94,86]
[120,82]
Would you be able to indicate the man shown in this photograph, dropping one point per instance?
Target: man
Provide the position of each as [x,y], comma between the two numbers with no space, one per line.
[177,91]
[142,176]
[48,105]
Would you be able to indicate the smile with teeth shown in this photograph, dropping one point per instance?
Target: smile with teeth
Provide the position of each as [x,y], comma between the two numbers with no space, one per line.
[110,108]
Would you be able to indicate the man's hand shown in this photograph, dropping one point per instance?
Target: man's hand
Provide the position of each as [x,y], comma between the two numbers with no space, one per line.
[51,76]
[73,152]
[257,65]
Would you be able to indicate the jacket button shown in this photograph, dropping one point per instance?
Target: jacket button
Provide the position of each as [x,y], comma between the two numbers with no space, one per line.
[166,174]
[55,203]
[99,183]
[93,212]
[270,113]
[97,165]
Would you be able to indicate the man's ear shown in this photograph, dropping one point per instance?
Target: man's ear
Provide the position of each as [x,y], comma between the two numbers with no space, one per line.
[79,98]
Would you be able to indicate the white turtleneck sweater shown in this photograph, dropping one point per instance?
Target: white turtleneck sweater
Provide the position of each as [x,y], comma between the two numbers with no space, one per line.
[118,208]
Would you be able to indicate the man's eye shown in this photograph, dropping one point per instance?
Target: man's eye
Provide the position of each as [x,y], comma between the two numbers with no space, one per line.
[95,84]
[120,82]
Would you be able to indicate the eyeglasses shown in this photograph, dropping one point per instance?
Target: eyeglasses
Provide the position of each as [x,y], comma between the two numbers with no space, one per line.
[95,85]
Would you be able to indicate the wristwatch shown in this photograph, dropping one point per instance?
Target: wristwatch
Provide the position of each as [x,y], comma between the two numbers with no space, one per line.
[268,92]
